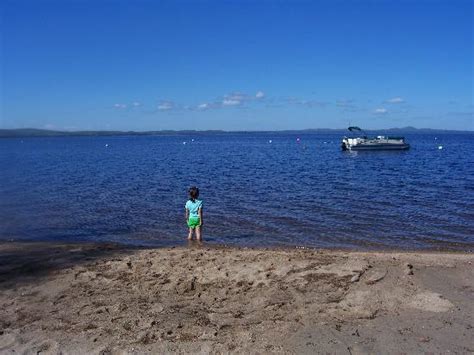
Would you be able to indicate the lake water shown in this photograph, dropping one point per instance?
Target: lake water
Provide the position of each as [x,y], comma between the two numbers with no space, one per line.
[132,189]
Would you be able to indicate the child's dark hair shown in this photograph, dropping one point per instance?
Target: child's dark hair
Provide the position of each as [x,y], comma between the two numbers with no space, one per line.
[193,193]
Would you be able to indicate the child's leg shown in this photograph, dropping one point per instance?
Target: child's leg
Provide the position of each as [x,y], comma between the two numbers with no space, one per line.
[198,233]
[190,234]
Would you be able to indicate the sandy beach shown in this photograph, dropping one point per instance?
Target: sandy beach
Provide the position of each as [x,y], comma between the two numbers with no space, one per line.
[107,299]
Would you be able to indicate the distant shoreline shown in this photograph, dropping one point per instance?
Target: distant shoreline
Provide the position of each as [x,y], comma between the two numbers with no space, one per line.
[33,132]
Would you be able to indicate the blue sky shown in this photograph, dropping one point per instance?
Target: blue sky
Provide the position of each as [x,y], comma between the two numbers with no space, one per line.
[236,65]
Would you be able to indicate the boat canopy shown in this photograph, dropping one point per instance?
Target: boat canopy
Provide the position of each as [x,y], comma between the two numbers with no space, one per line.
[354,128]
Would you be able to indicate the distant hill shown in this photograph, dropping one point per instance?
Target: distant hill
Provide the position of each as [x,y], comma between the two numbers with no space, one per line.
[33,132]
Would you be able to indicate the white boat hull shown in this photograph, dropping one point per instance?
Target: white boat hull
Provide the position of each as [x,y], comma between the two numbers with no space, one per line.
[379,143]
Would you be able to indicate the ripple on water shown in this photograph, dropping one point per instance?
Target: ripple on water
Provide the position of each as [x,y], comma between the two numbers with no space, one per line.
[257,194]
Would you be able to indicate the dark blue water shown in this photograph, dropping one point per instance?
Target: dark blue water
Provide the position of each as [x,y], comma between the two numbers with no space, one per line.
[255,193]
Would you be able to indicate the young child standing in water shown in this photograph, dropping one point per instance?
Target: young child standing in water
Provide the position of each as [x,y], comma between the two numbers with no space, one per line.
[194,213]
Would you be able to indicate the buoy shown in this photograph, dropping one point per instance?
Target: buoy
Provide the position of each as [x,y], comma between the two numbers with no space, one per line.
[270,141]
[184,142]
[298,139]
[106,145]
[440,147]
[192,140]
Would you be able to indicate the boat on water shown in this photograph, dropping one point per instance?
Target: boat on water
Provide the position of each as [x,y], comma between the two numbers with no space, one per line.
[376,143]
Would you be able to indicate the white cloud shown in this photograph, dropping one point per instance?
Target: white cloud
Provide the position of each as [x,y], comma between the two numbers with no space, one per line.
[259,95]
[233,99]
[308,103]
[380,111]
[236,96]
[291,100]
[166,105]
[231,102]
[396,100]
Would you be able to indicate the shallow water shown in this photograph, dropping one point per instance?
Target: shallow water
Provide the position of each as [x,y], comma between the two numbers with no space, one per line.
[255,193]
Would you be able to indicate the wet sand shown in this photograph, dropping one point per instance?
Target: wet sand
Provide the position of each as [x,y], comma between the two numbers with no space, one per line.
[102,299]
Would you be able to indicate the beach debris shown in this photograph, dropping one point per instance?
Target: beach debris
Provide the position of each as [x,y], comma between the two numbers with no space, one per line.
[376,277]
[355,278]
[408,269]
[156,308]
[192,285]
[367,314]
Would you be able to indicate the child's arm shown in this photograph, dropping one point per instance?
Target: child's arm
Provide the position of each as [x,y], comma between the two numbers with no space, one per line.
[187,214]
[200,216]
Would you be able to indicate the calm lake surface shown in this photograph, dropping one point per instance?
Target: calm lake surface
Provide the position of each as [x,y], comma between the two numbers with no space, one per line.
[255,193]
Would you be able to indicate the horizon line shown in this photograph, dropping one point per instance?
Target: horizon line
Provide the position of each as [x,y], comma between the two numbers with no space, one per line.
[228,131]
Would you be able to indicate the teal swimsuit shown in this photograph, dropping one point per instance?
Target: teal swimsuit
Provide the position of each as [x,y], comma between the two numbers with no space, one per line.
[193,208]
